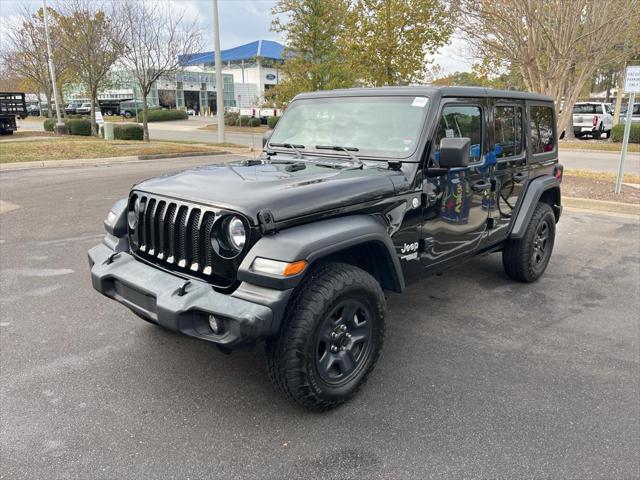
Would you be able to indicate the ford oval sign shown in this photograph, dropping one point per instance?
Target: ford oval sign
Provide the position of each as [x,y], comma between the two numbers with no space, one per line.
[270,76]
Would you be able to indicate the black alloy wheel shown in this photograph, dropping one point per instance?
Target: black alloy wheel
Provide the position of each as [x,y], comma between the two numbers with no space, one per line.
[540,243]
[343,341]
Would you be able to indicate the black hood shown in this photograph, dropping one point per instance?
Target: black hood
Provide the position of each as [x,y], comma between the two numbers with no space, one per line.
[287,194]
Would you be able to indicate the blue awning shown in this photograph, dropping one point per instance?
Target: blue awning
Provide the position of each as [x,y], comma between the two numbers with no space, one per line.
[260,48]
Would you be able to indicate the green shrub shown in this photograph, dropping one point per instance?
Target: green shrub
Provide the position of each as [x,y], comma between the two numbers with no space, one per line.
[78,126]
[254,122]
[49,123]
[617,134]
[243,121]
[157,115]
[231,118]
[272,121]
[128,131]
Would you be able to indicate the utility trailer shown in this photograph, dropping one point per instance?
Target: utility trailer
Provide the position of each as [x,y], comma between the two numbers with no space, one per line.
[12,105]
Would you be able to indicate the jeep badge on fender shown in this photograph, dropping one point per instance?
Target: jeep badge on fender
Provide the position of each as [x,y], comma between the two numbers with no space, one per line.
[298,247]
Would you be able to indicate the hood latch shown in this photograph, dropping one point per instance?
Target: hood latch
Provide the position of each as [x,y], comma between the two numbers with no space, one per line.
[266,221]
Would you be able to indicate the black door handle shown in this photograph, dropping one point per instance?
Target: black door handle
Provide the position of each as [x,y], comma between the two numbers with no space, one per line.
[480,186]
[518,177]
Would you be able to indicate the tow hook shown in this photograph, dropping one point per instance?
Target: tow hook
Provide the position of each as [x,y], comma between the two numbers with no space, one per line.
[111,258]
[183,288]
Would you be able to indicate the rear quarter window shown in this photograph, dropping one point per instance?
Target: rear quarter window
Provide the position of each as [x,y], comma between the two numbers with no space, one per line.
[542,131]
[586,109]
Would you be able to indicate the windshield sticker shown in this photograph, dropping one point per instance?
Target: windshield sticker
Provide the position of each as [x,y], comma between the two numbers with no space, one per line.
[420,102]
[449,133]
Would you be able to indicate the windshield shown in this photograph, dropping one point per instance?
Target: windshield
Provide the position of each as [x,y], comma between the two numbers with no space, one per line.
[375,126]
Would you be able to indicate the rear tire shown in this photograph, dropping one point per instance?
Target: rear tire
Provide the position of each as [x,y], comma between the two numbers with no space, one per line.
[526,259]
[330,339]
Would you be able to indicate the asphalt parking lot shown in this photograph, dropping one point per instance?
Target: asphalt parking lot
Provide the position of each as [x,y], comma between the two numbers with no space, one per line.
[479,378]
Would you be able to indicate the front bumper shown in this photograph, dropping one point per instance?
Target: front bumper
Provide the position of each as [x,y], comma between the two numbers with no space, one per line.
[156,295]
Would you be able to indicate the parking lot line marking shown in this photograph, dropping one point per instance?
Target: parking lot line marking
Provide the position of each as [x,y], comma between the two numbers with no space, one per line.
[7,206]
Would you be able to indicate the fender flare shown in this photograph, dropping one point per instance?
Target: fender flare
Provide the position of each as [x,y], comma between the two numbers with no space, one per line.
[536,188]
[315,241]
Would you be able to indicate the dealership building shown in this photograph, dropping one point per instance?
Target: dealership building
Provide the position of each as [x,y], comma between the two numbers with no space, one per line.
[255,68]
[248,71]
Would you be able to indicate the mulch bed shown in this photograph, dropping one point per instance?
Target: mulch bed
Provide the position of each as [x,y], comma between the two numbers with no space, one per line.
[598,189]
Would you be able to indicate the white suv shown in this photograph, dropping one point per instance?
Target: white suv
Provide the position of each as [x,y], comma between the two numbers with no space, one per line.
[84,109]
[591,118]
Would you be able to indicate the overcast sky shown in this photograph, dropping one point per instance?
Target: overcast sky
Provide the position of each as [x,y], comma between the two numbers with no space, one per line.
[243,21]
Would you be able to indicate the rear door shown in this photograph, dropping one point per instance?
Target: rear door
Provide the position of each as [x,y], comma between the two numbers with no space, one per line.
[511,172]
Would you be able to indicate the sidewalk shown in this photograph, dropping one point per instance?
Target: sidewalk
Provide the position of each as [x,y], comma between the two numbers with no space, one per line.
[586,204]
[87,162]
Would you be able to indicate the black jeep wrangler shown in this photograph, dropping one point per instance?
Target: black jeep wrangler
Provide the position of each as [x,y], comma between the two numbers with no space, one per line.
[354,192]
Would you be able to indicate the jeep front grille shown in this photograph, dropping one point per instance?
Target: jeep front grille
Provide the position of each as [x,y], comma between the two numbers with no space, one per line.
[177,236]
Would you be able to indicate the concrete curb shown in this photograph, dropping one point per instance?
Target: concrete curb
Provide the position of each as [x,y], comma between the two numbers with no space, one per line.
[592,150]
[159,156]
[89,162]
[603,206]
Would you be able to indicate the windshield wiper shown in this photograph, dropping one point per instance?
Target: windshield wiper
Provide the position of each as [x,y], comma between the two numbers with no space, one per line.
[292,146]
[347,150]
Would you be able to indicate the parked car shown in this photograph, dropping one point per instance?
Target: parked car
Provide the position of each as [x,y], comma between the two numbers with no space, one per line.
[356,193]
[34,110]
[72,108]
[591,118]
[84,109]
[635,114]
[130,108]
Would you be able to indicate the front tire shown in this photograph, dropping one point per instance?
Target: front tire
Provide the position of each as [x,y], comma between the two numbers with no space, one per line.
[330,339]
[525,259]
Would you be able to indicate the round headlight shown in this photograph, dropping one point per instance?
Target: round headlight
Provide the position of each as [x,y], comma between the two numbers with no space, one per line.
[236,233]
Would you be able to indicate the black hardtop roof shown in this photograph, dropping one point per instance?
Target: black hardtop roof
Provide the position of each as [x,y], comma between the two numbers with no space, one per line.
[429,91]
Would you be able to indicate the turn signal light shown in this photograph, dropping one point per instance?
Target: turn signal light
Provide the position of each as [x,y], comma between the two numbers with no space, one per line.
[294,268]
[595,120]
[276,267]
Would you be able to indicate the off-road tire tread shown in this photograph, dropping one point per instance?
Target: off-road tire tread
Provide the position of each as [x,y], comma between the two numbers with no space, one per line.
[516,256]
[285,353]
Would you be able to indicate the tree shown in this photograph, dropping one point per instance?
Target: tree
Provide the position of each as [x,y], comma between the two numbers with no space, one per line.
[630,50]
[555,45]
[155,36]
[316,56]
[391,39]
[93,41]
[25,54]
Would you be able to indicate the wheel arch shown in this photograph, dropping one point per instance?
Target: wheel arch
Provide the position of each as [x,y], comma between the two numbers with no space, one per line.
[359,240]
[545,188]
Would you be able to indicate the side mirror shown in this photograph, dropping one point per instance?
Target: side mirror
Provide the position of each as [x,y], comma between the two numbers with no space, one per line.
[266,137]
[455,152]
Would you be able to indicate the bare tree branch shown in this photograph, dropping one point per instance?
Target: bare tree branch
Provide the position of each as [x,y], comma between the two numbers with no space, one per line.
[155,36]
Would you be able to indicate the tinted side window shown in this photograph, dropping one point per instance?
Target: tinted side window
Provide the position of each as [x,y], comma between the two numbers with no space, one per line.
[542,140]
[461,121]
[508,128]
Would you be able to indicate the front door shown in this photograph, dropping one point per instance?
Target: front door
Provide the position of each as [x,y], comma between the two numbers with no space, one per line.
[455,217]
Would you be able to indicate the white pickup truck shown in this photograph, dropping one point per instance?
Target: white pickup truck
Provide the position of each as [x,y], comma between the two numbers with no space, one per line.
[591,118]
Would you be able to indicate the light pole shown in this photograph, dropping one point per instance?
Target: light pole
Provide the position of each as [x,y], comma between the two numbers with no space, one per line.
[219,86]
[52,70]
